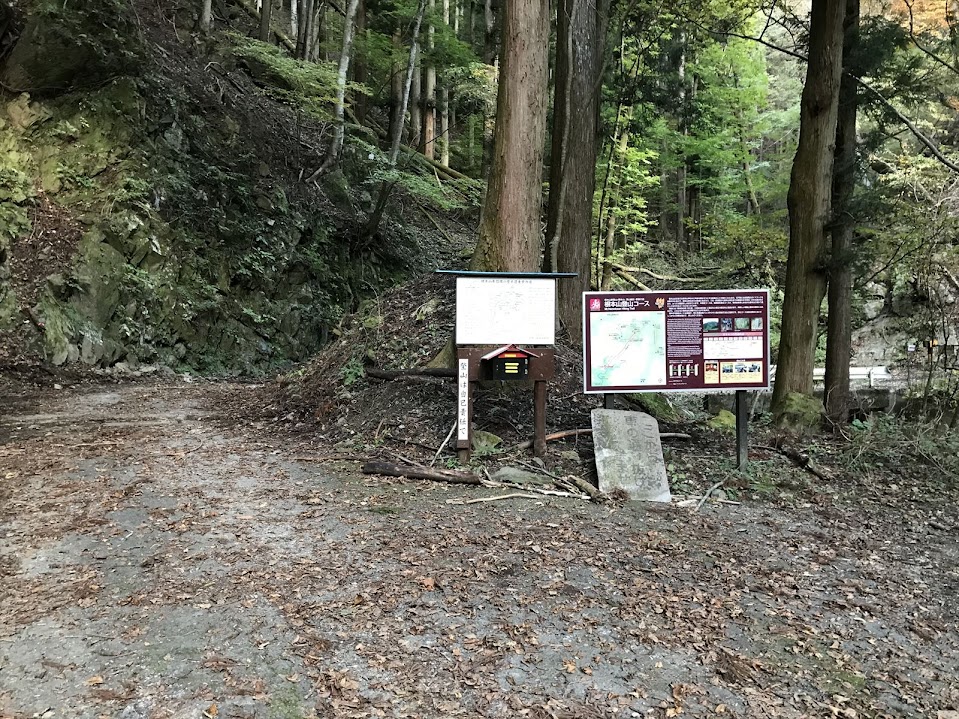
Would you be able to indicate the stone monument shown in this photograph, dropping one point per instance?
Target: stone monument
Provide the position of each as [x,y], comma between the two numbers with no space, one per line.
[629,455]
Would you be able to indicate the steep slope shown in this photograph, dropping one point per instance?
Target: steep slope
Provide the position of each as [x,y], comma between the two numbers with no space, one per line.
[151,202]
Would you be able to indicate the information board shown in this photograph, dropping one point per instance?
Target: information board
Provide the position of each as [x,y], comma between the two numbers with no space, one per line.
[695,341]
[505,310]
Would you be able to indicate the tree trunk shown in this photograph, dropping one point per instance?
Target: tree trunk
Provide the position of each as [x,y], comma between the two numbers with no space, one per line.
[617,159]
[684,130]
[808,202]
[339,131]
[839,321]
[396,138]
[444,101]
[317,30]
[416,111]
[266,16]
[206,15]
[397,88]
[490,44]
[429,95]
[361,102]
[581,31]
[509,232]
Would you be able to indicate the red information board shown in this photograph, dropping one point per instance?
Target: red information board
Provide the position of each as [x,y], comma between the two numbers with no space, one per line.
[694,341]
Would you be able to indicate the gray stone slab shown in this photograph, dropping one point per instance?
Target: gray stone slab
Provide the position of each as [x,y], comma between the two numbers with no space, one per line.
[629,455]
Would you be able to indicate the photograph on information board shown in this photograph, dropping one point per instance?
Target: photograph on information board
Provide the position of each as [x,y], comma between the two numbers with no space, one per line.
[694,341]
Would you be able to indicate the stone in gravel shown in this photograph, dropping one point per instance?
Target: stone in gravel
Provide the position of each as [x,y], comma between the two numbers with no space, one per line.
[629,455]
[520,476]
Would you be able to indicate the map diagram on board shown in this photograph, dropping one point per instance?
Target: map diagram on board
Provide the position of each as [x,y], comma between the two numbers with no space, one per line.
[628,348]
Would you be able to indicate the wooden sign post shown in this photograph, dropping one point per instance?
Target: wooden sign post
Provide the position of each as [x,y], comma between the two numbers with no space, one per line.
[505,331]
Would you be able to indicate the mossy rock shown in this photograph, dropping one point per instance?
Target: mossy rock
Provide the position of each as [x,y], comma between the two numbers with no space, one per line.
[725,421]
[656,404]
[799,412]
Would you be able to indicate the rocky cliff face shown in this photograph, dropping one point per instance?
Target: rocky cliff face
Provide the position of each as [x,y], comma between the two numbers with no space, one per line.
[151,209]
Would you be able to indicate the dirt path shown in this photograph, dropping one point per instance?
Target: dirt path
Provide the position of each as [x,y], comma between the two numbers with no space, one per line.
[160,560]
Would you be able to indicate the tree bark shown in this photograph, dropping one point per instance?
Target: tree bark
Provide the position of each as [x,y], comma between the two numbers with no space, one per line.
[808,202]
[266,16]
[339,131]
[581,32]
[429,95]
[361,102]
[206,15]
[397,131]
[444,101]
[416,110]
[509,232]
[839,320]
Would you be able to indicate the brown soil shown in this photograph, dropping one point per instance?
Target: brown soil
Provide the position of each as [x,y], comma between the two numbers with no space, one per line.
[161,557]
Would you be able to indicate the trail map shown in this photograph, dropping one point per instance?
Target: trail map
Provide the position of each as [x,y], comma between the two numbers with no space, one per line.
[629,348]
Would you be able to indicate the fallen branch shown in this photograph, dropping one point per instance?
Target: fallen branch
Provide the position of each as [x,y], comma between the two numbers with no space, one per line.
[630,279]
[436,475]
[702,500]
[586,488]
[513,495]
[449,434]
[801,459]
[576,432]
[654,275]
[547,492]
[392,374]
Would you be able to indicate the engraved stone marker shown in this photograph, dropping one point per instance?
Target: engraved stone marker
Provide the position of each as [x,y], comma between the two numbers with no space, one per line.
[629,455]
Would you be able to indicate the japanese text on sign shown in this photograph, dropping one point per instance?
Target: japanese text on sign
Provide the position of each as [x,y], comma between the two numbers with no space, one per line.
[692,341]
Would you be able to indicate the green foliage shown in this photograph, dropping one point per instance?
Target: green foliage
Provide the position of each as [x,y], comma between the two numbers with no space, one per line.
[352,372]
[14,191]
[909,449]
[106,31]
[310,86]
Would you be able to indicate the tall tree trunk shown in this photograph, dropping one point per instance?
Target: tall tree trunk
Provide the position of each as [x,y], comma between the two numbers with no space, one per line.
[206,15]
[339,131]
[429,95]
[622,144]
[509,232]
[294,18]
[444,99]
[397,134]
[416,110]
[266,17]
[361,102]
[397,87]
[684,131]
[808,202]
[839,321]
[581,34]
[490,45]
[317,30]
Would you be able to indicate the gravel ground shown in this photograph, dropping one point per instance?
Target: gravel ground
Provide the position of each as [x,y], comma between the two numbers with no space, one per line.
[160,557]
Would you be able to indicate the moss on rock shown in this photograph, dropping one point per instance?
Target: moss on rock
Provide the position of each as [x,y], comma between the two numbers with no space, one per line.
[800,413]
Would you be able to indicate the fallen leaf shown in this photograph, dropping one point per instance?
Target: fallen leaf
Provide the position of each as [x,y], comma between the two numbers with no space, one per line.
[429,583]
[570,666]
[94,681]
[211,711]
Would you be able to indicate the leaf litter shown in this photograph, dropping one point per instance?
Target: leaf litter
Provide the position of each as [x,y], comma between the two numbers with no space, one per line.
[201,555]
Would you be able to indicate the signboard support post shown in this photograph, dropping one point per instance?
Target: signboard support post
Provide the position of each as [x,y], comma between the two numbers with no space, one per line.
[539,418]
[742,429]
[609,401]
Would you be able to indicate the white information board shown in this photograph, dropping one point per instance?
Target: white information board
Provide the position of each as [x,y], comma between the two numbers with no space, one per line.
[505,310]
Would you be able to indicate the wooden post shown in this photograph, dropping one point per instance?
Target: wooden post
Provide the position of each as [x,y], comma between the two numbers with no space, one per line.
[539,418]
[742,429]
[464,409]
[609,401]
